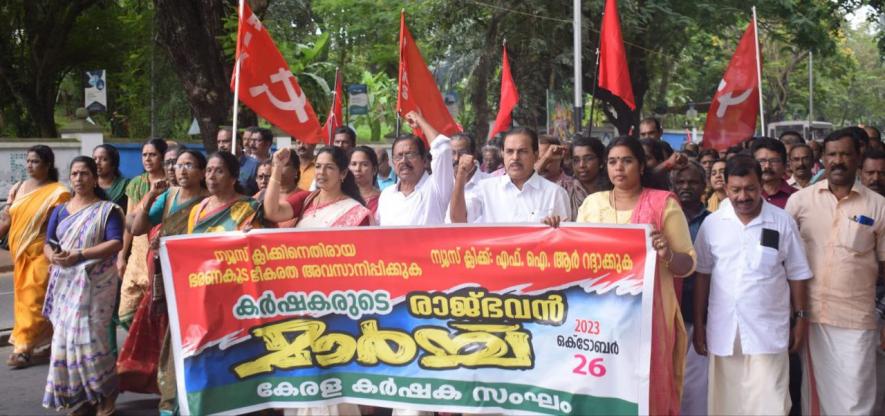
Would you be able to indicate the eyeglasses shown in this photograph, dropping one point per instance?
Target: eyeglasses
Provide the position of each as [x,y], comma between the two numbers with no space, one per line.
[184,166]
[772,161]
[170,162]
[408,155]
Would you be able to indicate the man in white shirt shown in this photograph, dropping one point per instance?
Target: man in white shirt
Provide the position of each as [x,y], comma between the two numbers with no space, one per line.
[751,265]
[419,198]
[463,146]
[520,196]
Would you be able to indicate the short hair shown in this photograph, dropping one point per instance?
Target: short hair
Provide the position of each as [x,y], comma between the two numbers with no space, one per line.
[709,152]
[657,149]
[228,129]
[269,162]
[548,139]
[652,120]
[802,146]
[419,144]
[874,154]
[768,143]
[471,144]
[848,132]
[593,143]
[742,165]
[792,133]
[253,129]
[736,150]
[693,166]
[265,135]
[878,133]
[347,131]
[533,135]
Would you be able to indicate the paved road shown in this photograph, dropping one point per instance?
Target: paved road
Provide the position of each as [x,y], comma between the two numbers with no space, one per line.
[21,391]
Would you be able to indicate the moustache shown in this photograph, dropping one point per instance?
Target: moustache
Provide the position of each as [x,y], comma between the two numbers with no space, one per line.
[767,171]
[838,167]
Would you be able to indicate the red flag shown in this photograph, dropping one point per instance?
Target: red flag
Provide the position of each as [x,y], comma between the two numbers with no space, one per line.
[266,84]
[614,75]
[509,97]
[335,119]
[417,89]
[731,118]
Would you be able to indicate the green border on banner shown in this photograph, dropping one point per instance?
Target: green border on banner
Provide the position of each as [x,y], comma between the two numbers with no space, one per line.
[226,399]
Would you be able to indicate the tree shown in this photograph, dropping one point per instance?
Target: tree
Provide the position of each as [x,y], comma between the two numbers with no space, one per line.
[40,42]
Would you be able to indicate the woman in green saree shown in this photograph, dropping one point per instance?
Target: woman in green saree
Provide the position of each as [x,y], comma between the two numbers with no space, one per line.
[132,261]
[111,181]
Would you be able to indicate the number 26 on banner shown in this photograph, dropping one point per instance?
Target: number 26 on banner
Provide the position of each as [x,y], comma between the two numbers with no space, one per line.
[593,367]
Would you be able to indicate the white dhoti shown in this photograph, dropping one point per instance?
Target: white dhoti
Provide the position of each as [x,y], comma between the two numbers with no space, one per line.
[344,409]
[839,371]
[756,384]
[694,388]
[880,384]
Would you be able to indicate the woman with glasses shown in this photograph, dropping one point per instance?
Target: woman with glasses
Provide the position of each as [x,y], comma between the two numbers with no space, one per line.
[145,363]
[132,260]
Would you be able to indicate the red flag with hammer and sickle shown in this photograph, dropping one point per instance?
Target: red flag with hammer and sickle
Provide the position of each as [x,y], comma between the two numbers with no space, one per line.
[732,115]
[267,85]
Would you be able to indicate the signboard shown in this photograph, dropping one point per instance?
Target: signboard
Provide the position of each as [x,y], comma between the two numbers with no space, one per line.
[513,319]
[96,96]
[357,99]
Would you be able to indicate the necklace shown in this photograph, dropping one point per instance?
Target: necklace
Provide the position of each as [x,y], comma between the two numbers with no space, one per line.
[614,204]
[317,205]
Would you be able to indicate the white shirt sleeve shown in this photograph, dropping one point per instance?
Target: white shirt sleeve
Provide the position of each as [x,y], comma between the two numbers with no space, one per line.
[562,205]
[442,171]
[795,261]
[702,250]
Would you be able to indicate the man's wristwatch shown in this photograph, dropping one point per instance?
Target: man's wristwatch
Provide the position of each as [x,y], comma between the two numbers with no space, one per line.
[801,314]
[80,256]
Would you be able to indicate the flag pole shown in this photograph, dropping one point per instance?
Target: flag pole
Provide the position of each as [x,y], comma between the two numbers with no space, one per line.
[759,72]
[236,83]
[579,89]
[595,81]
[334,97]
[504,45]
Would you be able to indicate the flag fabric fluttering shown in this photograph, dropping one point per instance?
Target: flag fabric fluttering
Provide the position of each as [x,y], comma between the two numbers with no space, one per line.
[614,74]
[731,118]
[267,86]
[417,90]
[335,118]
[509,98]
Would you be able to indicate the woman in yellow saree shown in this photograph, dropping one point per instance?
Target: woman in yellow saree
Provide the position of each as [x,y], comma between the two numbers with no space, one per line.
[226,209]
[25,221]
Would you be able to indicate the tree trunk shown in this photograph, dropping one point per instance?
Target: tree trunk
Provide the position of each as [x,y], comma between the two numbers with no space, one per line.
[479,86]
[189,31]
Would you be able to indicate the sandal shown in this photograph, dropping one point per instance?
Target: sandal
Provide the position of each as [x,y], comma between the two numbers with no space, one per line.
[19,360]
[85,409]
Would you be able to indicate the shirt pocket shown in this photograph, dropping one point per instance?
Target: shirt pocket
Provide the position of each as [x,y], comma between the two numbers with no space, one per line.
[856,237]
[761,261]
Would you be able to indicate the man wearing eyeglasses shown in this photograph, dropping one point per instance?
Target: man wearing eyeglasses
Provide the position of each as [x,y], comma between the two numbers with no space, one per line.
[772,156]
[420,198]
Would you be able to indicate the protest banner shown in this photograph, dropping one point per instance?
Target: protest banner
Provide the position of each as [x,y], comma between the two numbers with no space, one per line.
[516,319]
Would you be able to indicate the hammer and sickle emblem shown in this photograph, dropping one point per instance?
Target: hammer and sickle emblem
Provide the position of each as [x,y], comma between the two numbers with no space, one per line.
[296,100]
[728,100]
